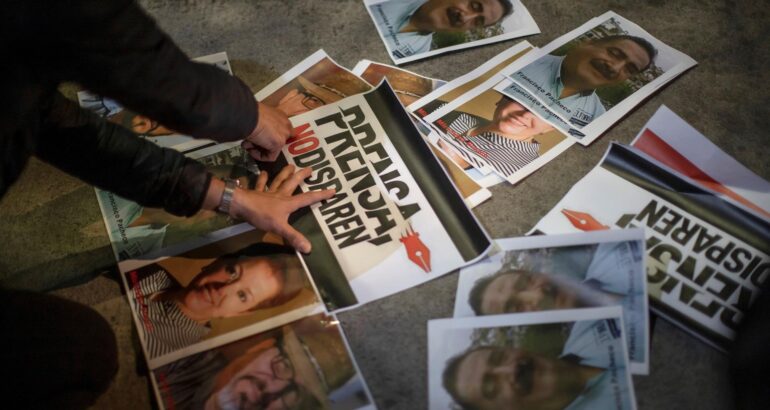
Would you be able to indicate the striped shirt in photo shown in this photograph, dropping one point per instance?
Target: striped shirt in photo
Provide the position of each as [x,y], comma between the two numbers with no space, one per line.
[504,155]
[165,327]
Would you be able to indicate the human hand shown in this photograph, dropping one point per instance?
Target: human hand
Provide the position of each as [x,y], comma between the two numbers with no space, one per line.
[268,208]
[270,134]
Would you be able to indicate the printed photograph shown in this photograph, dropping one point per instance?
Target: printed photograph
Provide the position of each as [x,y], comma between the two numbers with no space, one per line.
[530,361]
[586,75]
[415,29]
[563,272]
[460,85]
[215,289]
[305,365]
[408,86]
[493,129]
[318,81]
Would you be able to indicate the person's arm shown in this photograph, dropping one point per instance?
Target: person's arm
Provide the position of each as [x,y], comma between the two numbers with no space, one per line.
[111,157]
[269,207]
[115,49]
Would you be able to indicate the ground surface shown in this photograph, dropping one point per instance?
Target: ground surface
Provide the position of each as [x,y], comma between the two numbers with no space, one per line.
[51,230]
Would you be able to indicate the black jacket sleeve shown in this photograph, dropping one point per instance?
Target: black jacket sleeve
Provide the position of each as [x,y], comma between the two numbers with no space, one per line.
[111,157]
[115,49]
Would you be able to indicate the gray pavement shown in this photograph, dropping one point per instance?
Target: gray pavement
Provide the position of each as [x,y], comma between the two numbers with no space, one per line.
[50,225]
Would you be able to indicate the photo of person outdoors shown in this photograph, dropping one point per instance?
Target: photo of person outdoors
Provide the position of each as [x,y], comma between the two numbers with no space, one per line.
[494,129]
[303,365]
[593,72]
[177,300]
[322,83]
[563,277]
[412,29]
[536,367]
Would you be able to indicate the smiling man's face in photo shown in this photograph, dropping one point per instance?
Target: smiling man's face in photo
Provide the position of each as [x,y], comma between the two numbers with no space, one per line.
[603,62]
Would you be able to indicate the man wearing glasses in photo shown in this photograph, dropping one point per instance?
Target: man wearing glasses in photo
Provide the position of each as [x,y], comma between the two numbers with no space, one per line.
[304,365]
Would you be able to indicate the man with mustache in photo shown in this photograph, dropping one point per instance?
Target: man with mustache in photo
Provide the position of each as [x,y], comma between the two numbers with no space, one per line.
[589,374]
[408,25]
[571,81]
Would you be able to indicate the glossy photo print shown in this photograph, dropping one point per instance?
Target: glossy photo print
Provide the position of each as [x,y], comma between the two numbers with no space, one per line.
[215,294]
[542,273]
[300,366]
[567,359]
[416,29]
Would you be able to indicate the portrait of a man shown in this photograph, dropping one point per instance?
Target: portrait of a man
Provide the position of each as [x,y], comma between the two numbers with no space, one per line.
[513,291]
[568,84]
[590,373]
[299,366]
[408,26]
[564,277]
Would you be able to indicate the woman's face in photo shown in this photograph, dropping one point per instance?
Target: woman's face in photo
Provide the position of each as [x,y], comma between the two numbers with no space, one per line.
[232,286]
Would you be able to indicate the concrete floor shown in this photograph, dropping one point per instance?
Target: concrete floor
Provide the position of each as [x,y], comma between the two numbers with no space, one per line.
[52,234]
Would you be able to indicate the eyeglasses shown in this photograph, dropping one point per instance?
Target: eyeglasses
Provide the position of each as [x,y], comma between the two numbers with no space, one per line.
[310,101]
[289,397]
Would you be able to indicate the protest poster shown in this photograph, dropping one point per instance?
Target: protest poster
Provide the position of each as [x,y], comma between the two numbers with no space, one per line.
[677,145]
[594,75]
[707,256]
[305,364]
[393,202]
[548,272]
[409,87]
[217,293]
[314,82]
[486,128]
[146,127]
[136,231]
[565,359]
[466,82]
[417,29]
